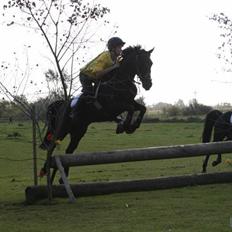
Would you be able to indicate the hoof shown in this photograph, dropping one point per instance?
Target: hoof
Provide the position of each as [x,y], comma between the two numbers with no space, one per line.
[215,163]
[120,128]
[130,130]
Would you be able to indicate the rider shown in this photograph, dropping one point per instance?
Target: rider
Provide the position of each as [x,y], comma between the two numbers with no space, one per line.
[104,63]
[95,70]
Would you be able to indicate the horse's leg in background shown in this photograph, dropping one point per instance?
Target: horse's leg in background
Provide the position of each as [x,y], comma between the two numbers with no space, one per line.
[76,135]
[125,124]
[142,110]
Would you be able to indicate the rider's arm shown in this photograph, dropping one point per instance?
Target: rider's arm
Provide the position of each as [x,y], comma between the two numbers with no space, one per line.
[103,72]
[104,65]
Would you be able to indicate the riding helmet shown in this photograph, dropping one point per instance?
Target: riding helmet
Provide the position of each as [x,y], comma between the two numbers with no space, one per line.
[114,42]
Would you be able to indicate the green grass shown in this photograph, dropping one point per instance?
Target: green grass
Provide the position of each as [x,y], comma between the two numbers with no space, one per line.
[199,208]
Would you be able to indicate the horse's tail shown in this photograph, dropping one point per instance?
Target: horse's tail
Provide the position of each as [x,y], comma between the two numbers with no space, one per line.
[210,120]
[53,112]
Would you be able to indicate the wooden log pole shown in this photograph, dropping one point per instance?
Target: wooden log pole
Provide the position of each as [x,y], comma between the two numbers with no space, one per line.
[140,154]
[35,193]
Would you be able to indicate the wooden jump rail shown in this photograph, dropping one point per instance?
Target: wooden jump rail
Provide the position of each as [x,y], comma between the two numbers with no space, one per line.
[35,193]
[130,155]
[140,154]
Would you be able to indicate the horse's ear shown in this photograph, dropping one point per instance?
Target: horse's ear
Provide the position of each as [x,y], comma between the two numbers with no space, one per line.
[150,51]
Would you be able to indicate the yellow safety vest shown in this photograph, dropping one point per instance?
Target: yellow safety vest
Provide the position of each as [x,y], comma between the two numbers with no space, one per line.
[101,62]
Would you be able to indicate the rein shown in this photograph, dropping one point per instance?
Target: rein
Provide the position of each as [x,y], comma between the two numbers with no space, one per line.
[121,84]
[139,73]
[127,80]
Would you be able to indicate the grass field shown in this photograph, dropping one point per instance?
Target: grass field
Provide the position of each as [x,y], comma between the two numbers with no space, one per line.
[199,208]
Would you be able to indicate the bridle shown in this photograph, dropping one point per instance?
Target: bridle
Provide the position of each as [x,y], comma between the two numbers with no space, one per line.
[138,71]
[114,79]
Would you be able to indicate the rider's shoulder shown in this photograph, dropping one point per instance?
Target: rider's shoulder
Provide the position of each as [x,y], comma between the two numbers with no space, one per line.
[105,54]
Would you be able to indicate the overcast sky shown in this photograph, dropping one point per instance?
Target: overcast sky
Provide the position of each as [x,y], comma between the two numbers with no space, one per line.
[185,41]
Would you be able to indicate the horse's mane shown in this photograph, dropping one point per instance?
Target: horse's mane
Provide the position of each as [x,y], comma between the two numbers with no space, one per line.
[132,49]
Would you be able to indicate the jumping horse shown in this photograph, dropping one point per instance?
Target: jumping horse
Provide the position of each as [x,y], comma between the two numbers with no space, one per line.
[114,96]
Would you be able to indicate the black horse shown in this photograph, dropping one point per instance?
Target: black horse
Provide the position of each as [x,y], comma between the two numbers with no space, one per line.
[222,125]
[114,97]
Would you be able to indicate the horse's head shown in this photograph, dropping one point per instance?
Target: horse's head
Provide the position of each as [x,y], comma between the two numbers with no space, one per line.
[140,63]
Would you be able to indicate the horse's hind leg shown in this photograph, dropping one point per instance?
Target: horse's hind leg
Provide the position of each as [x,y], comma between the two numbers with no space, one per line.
[76,136]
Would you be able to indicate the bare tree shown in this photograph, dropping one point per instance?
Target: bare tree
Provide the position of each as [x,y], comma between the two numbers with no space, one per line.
[53,83]
[225,48]
[66,26]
